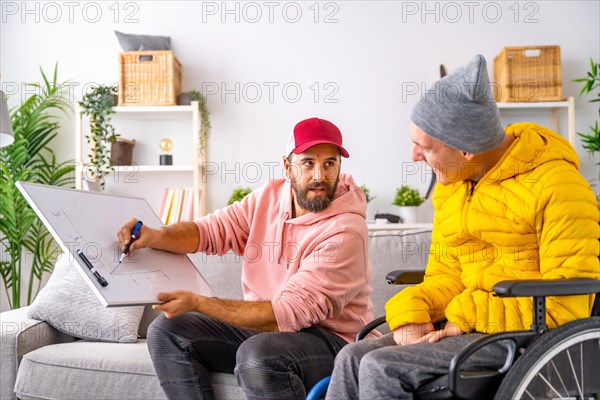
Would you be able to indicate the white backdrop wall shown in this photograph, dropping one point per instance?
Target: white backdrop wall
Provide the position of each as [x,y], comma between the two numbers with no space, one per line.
[266,65]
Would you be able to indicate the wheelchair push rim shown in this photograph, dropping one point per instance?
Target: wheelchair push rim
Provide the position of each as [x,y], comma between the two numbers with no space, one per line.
[562,364]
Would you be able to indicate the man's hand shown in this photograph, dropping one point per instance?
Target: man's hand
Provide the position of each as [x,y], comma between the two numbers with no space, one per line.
[180,238]
[449,330]
[177,302]
[412,333]
[146,238]
[254,315]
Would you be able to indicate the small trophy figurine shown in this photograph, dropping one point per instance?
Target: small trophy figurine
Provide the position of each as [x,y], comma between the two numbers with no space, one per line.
[166,145]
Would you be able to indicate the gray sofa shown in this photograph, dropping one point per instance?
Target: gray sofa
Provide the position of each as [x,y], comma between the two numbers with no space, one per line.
[39,362]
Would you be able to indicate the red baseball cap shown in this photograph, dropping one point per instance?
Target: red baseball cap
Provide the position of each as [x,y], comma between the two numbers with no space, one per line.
[314,131]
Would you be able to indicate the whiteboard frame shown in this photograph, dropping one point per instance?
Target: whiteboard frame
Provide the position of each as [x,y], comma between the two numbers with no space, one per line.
[83,269]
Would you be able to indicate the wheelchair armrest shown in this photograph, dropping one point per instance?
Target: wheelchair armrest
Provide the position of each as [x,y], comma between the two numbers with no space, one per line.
[369,327]
[405,277]
[542,287]
[468,384]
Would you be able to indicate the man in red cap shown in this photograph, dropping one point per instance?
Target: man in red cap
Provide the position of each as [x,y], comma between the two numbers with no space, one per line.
[306,283]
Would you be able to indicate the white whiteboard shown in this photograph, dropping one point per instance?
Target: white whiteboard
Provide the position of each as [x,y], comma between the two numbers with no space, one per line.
[89,221]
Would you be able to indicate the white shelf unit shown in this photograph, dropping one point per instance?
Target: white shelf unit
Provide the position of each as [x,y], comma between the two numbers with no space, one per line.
[166,115]
[555,107]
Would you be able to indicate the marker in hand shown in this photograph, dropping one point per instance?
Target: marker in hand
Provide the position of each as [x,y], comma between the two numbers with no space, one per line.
[134,235]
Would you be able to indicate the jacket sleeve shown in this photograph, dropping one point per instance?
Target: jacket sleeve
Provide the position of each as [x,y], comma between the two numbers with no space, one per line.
[330,276]
[567,244]
[427,301]
[227,229]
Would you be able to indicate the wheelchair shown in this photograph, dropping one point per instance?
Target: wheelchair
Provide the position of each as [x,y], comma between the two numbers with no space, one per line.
[561,363]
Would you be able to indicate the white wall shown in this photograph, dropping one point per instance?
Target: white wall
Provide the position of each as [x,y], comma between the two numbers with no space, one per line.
[365,57]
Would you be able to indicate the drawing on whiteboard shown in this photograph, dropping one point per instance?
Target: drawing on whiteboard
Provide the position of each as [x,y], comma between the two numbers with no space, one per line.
[112,249]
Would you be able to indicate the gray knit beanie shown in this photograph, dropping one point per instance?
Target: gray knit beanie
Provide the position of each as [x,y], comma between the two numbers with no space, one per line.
[460,111]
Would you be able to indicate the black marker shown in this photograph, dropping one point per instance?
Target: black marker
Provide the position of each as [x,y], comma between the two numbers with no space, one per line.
[88,264]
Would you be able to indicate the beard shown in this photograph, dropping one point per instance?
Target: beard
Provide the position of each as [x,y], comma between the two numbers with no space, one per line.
[317,203]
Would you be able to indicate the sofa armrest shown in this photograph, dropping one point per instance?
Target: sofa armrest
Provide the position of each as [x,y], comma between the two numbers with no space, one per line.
[19,336]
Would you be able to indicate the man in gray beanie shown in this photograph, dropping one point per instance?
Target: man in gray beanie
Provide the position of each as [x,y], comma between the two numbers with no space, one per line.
[460,111]
[510,204]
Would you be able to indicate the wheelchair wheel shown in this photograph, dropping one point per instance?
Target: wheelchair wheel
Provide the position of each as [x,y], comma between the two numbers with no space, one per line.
[562,364]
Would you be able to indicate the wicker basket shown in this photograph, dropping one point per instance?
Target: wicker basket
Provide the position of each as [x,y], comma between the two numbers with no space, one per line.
[528,74]
[149,78]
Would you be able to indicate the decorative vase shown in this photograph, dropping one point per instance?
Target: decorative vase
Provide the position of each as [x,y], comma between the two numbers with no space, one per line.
[184,99]
[409,214]
[121,151]
[91,185]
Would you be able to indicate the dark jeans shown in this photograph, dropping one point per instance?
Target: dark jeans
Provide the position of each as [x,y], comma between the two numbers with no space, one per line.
[267,365]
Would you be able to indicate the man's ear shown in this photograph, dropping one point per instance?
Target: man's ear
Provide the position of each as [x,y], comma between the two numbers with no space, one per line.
[467,156]
[288,168]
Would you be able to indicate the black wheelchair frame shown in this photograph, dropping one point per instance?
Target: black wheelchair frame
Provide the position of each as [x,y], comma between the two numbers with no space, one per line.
[529,352]
[501,383]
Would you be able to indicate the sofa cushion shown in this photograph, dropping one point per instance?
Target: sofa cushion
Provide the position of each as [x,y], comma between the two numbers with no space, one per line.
[88,370]
[133,42]
[69,305]
[223,273]
[393,250]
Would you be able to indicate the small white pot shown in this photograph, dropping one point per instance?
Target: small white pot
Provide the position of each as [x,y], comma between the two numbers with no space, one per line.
[409,215]
[92,186]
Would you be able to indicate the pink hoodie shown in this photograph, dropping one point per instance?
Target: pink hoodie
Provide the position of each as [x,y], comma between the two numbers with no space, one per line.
[314,269]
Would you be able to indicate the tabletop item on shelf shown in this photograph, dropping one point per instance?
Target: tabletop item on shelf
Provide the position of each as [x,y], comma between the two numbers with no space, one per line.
[149,78]
[136,42]
[528,74]
[408,201]
[238,194]
[98,104]
[367,193]
[166,145]
[121,151]
[185,99]
[392,218]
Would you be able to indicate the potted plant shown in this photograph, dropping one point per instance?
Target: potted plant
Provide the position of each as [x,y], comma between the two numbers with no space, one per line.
[408,200]
[367,193]
[591,142]
[186,98]
[98,104]
[29,158]
[238,194]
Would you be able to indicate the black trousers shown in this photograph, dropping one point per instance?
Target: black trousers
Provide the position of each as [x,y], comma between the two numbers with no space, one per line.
[267,365]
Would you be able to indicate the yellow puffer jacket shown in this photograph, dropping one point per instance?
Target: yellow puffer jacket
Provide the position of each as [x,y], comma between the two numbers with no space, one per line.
[532,216]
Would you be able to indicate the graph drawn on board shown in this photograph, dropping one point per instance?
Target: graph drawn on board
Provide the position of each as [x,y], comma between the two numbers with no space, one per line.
[87,221]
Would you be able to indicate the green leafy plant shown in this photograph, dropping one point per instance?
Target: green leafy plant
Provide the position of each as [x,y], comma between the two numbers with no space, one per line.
[591,83]
[407,196]
[367,193]
[98,105]
[238,194]
[29,158]
[204,116]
